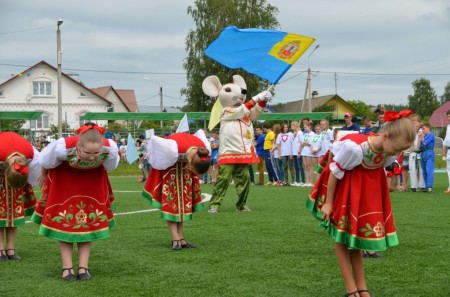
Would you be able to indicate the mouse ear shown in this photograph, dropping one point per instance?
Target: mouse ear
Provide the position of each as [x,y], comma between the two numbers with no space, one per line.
[239,80]
[211,86]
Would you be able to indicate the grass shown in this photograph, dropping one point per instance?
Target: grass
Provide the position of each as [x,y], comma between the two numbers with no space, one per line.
[277,250]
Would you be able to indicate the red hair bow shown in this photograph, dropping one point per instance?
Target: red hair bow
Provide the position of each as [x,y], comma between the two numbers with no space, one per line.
[83,129]
[21,168]
[393,115]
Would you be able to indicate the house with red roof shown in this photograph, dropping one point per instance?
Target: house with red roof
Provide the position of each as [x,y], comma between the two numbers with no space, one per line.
[438,118]
[36,89]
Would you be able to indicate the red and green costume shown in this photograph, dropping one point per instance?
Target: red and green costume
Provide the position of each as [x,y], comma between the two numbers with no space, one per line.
[15,204]
[175,190]
[77,200]
[362,215]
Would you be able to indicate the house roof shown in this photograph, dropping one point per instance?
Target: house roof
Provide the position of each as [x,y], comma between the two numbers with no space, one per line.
[63,74]
[127,97]
[438,118]
[303,105]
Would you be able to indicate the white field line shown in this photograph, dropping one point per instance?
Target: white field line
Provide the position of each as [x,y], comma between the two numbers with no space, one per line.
[206,195]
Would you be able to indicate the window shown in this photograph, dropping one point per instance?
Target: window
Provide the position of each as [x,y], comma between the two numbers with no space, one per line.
[41,88]
[41,123]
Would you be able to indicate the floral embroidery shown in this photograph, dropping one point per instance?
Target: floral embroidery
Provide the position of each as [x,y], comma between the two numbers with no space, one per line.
[344,223]
[321,200]
[82,219]
[378,159]
[378,229]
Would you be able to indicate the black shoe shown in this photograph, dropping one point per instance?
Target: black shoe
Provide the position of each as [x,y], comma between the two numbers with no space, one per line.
[375,255]
[84,276]
[13,256]
[3,256]
[70,276]
[365,255]
[425,190]
[413,190]
[364,291]
[187,245]
[176,245]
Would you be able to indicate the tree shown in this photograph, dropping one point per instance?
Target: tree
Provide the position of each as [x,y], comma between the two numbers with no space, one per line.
[211,17]
[363,109]
[424,101]
[446,96]
[11,125]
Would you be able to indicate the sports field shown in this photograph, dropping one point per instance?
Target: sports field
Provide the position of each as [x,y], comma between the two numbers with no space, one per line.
[277,250]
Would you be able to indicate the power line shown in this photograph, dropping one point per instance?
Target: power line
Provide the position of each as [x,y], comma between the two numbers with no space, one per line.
[26,30]
[184,73]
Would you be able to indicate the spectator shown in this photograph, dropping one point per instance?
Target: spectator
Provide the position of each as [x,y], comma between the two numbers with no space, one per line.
[380,120]
[268,144]
[275,156]
[427,143]
[415,166]
[214,168]
[349,124]
[143,148]
[259,145]
[327,136]
[446,151]
[305,121]
[284,147]
[367,125]
[298,160]
[307,155]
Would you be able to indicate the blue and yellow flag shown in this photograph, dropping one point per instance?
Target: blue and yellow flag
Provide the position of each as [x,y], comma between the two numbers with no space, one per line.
[267,54]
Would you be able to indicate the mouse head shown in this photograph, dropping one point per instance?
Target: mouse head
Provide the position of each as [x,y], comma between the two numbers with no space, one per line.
[230,95]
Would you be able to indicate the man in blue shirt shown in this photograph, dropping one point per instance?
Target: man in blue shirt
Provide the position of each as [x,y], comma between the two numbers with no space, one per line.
[349,125]
[259,144]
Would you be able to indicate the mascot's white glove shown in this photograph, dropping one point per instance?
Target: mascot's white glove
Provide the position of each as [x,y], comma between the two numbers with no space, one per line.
[263,96]
[267,96]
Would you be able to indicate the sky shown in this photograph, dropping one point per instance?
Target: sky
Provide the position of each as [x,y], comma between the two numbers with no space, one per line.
[369,51]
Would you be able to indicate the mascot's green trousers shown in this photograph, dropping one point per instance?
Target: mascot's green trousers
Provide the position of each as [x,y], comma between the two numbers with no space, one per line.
[241,176]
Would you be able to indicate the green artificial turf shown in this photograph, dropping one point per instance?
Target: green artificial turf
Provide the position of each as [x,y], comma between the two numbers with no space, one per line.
[277,250]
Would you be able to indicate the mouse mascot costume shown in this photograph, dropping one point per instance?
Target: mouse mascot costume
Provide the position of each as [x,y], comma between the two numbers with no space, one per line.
[236,150]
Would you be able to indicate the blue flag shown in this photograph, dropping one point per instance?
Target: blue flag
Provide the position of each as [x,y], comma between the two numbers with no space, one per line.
[267,54]
[131,153]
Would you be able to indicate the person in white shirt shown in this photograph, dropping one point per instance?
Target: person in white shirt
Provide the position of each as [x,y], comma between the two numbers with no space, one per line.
[298,160]
[275,155]
[306,153]
[317,145]
[327,136]
[415,166]
[284,146]
[446,151]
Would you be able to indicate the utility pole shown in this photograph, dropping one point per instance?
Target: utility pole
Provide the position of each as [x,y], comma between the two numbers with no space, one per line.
[161,106]
[308,84]
[59,76]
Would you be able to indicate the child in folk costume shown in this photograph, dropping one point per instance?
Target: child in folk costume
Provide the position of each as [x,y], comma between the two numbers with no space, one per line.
[76,205]
[19,170]
[173,183]
[360,217]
